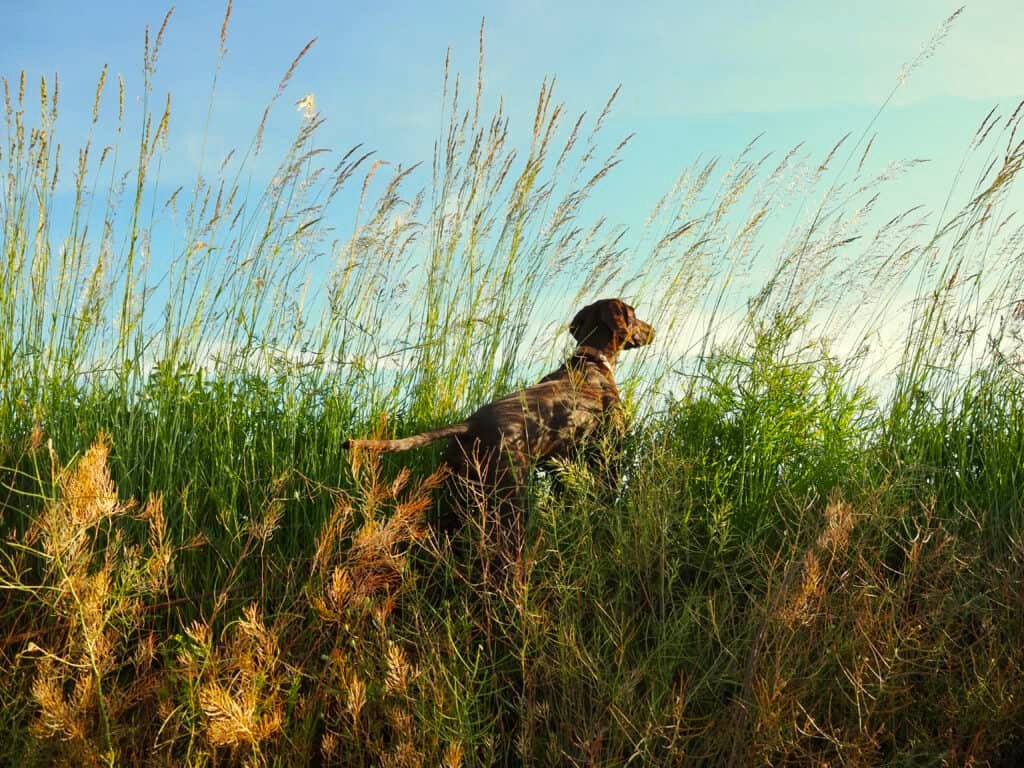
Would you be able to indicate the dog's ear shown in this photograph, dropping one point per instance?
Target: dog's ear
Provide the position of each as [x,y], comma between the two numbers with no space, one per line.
[585,323]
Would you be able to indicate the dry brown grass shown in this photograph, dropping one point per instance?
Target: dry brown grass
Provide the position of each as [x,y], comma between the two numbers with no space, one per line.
[109,686]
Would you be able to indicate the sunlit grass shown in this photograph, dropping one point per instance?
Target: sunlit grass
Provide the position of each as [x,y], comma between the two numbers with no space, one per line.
[814,555]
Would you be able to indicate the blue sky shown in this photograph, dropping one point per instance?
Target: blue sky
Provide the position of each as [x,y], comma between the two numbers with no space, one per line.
[698,78]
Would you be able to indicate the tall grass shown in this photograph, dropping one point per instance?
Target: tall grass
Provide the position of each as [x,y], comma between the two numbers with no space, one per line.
[814,554]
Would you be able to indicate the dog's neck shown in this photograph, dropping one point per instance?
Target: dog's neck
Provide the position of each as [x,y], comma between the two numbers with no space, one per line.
[598,357]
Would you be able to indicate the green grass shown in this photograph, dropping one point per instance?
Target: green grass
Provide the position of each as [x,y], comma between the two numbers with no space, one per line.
[814,556]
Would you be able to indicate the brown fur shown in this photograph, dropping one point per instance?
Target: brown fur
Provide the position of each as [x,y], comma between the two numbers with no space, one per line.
[494,446]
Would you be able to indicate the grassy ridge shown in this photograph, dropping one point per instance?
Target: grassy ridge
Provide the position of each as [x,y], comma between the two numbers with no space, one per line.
[801,567]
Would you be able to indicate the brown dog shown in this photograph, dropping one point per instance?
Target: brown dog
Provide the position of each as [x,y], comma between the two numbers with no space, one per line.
[495,446]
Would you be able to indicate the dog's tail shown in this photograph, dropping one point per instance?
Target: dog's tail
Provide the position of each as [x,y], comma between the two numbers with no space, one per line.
[406,443]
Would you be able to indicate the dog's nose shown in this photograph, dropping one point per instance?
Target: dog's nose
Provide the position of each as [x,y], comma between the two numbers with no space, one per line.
[648,333]
[642,335]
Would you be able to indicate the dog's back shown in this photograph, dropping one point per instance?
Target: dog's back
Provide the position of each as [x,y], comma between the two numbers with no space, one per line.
[541,422]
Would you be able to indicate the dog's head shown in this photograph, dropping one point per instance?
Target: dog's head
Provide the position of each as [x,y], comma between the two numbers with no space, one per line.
[610,325]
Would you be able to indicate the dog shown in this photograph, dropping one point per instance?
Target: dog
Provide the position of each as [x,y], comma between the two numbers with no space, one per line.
[492,450]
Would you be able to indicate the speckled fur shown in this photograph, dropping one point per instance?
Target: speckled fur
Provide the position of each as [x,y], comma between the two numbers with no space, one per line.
[495,446]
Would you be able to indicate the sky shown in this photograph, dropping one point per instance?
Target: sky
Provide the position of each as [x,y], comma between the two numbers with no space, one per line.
[698,78]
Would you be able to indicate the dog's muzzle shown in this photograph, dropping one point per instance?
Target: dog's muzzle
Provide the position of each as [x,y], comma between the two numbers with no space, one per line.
[641,334]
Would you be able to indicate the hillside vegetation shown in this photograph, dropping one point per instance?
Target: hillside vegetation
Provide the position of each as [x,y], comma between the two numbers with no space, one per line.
[814,556]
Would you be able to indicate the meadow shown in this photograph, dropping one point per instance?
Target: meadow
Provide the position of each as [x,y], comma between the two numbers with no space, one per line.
[814,556]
